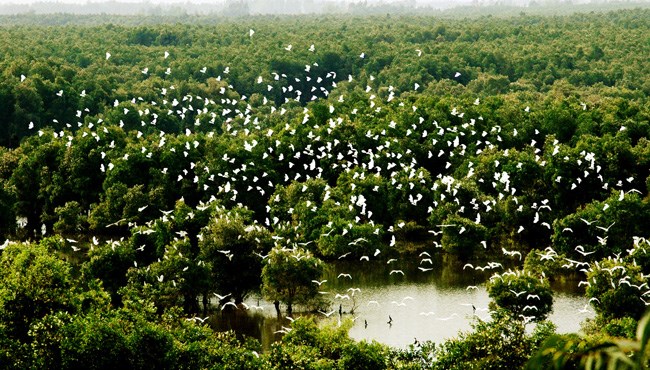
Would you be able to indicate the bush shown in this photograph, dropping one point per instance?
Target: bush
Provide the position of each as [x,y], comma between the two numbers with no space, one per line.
[525,296]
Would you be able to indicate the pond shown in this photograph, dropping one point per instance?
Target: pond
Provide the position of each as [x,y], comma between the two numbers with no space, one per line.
[425,305]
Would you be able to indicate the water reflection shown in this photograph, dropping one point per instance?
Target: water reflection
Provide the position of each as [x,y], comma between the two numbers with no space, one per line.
[423,305]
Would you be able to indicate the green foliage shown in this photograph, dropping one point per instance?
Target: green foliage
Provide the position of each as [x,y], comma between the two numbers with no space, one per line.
[418,355]
[500,343]
[296,203]
[546,263]
[571,351]
[616,287]
[115,161]
[463,236]
[109,263]
[229,242]
[342,236]
[33,283]
[601,327]
[287,276]
[624,327]
[183,142]
[130,340]
[71,219]
[37,290]
[173,281]
[526,296]
[625,216]
[310,347]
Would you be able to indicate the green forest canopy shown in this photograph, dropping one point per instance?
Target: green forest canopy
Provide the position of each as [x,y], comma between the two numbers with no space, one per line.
[164,150]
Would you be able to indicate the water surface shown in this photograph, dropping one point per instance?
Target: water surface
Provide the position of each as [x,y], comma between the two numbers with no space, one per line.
[423,305]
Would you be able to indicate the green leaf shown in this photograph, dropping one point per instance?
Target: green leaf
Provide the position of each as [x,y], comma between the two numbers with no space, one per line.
[643,335]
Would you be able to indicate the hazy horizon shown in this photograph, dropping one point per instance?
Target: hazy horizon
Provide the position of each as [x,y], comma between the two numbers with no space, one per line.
[225,2]
[295,7]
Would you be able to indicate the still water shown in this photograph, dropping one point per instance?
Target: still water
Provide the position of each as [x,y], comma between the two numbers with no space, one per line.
[423,305]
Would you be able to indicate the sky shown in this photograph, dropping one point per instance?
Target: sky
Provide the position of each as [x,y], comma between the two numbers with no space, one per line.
[154,2]
[431,3]
[264,4]
[3,2]
[121,1]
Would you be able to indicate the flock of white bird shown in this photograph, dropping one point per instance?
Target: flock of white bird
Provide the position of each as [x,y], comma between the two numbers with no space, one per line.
[241,119]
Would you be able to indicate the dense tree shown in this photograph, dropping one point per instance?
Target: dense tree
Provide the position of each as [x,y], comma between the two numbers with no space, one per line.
[603,232]
[546,263]
[70,218]
[176,280]
[526,296]
[288,275]
[178,154]
[109,263]
[33,284]
[462,236]
[616,289]
[310,346]
[132,340]
[229,242]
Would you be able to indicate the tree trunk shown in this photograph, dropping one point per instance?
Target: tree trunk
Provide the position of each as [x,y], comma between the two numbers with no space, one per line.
[205,303]
[191,303]
[277,307]
[289,310]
